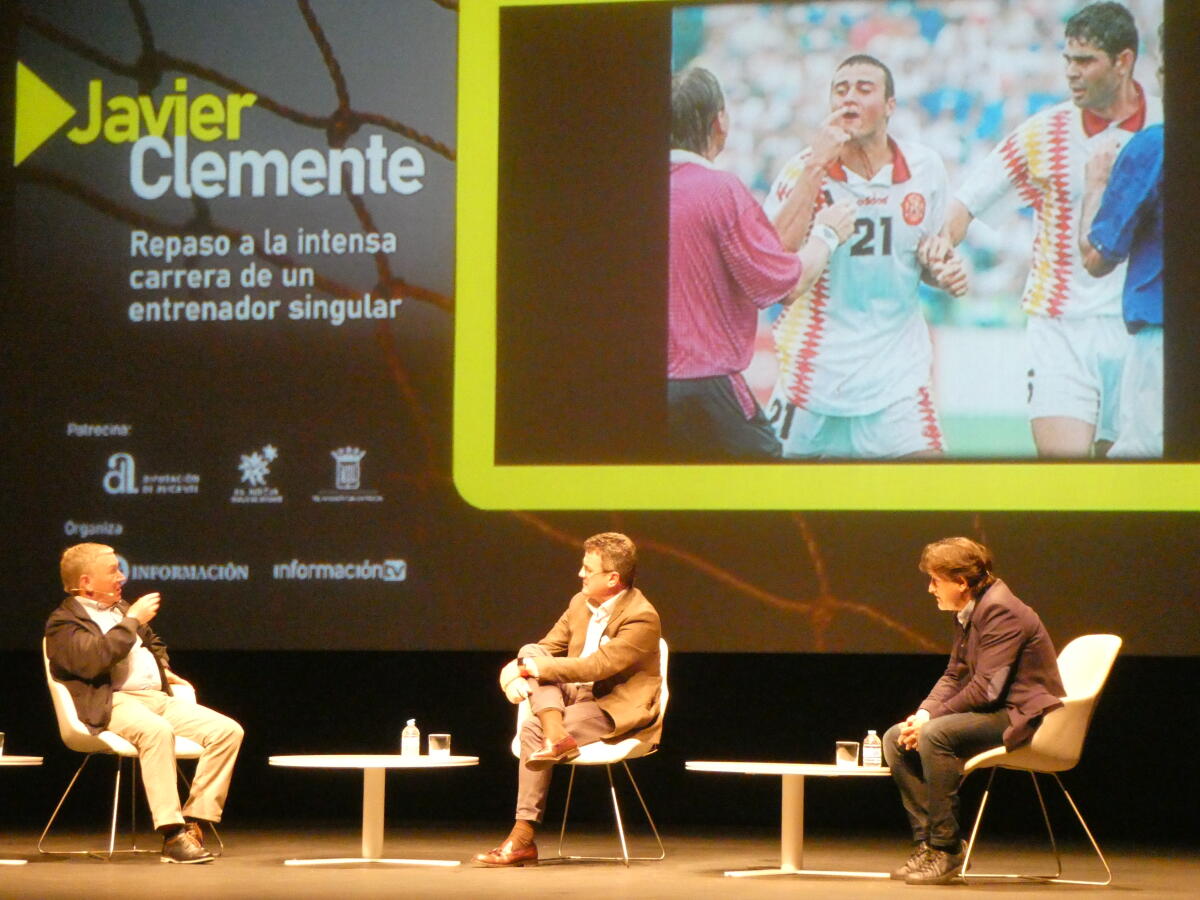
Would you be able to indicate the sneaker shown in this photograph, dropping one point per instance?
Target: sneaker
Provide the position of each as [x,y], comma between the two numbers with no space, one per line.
[939,867]
[182,848]
[920,851]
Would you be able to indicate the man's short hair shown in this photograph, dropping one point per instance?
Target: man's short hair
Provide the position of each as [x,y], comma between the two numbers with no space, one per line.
[696,101]
[1107,25]
[78,559]
[617,554]
[959,557]
[865,59]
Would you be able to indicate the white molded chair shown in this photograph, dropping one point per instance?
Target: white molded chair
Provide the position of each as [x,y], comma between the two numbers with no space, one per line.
[77,737]
[607,754]
[1084,665]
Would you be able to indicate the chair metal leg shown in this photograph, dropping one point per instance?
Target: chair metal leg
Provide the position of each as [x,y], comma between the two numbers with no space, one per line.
[624,857]
[1056,878]
[111,850]
[61,801]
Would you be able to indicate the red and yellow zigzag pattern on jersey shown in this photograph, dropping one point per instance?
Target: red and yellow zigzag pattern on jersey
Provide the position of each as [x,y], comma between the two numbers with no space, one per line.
[800,330]
[1037,158]
[798,336]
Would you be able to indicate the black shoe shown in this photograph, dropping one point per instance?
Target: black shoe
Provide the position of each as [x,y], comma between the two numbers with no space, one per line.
[920,851]
[939,867]
[181,847]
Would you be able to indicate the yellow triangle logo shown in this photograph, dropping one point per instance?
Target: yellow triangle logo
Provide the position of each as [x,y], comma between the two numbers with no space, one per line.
[40,113]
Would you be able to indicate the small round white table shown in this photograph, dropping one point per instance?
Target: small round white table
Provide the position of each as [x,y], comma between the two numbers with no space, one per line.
[18,761]
[791,816]
[374,767]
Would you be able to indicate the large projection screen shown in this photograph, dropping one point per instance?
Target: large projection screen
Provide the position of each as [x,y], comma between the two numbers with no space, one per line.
[564,138]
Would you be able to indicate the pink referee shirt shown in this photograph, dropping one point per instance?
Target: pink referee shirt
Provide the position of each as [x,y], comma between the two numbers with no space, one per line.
[726,263]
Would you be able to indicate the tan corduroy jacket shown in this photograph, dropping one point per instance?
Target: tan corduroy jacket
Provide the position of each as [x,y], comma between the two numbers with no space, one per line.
[624,671]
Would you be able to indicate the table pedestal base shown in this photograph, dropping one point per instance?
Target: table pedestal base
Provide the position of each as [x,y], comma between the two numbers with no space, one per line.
[791,839]
[372,831]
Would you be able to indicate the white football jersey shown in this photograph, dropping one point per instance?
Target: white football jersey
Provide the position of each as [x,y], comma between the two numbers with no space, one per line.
[1043,163]
[857,342]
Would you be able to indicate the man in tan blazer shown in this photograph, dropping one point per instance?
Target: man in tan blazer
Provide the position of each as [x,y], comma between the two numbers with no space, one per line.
[595,675]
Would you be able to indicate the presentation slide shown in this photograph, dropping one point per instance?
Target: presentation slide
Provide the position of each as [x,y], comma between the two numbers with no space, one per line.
[346,322]
[870,387]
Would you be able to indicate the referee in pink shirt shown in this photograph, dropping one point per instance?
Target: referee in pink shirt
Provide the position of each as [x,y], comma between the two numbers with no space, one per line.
[727,261]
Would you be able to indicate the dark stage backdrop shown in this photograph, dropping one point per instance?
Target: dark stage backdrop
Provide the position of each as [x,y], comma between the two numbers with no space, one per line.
[229,314]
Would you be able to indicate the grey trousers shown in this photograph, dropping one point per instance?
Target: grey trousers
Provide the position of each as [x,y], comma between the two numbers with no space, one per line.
[150,720]
[584,720]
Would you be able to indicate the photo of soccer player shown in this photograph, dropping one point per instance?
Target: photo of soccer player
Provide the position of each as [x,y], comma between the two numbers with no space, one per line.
[855,356]
[727,262]
[1076,337]
[1123,220]
[912,344]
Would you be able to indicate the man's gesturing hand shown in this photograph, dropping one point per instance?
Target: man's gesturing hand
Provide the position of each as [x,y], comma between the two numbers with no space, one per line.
[145,607]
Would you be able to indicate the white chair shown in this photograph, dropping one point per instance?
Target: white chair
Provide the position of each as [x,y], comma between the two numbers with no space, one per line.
[607,754]
[77,737]
[1084,665]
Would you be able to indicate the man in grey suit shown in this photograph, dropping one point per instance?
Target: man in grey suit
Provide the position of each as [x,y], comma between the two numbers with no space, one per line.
[595,675]
[1001,679]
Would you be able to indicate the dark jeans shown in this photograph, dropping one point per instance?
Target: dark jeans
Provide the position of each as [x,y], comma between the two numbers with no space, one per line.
[928,777]
[706,423]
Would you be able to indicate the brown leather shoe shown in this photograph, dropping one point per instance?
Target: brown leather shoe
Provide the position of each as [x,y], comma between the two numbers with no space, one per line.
[507,854]
[564,750]
[194,829]
[182,848]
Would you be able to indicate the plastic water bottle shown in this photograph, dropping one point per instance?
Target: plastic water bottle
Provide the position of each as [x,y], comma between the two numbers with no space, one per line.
[872,750]
[410,739]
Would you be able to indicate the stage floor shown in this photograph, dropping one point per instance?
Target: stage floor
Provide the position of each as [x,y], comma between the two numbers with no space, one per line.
[252,867]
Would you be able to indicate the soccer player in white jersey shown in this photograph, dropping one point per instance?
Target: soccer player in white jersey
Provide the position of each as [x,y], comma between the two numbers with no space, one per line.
[1075,335]
[854,353]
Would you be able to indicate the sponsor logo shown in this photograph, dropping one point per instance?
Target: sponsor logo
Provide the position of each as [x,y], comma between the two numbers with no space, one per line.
[255,467]
[394,570]
[86,530]
[226,571]
[122,478]
[107,429]
[913,207]
[347,479]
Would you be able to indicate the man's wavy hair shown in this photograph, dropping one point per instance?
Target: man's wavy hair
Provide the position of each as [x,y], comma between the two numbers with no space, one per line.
[959,557]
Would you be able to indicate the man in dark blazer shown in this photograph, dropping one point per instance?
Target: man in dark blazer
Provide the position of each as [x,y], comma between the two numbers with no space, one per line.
[595,675]
[119,676]
[1001,680]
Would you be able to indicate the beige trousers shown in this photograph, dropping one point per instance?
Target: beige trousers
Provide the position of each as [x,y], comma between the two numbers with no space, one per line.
[150,720]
